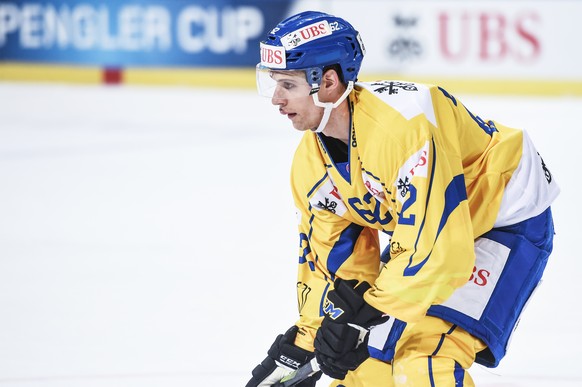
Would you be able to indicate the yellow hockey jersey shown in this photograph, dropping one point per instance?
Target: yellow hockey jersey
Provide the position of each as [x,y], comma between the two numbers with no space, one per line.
[421,168]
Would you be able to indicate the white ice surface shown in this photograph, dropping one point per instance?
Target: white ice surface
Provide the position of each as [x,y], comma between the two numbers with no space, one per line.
[148,237]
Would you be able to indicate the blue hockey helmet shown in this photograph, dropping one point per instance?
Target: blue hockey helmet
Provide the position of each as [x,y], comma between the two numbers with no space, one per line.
[309,42]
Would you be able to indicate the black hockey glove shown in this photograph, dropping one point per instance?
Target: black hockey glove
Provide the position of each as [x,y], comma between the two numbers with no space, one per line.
[341,343]
[283,358]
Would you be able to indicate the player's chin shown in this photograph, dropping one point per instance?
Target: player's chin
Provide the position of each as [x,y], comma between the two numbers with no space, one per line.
[300,126]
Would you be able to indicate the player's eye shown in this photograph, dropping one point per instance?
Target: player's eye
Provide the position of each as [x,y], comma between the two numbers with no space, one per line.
[287,85]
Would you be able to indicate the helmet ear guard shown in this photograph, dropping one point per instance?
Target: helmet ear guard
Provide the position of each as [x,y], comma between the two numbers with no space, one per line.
[314,75]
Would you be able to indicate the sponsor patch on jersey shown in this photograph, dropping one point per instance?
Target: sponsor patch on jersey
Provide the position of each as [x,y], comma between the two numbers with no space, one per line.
[407,98]
[374,187]
[472,298]
[306,34]
[416,165]
[273,57]
[327,198]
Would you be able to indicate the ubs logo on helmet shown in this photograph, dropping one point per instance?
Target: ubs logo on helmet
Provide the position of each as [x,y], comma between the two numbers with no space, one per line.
[306,34]
[273,56]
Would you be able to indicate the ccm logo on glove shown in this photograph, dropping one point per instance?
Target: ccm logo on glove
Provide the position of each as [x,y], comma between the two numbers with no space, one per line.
[330,310]
[289,362]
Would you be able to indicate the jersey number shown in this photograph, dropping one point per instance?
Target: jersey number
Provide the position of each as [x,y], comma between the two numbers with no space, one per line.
[370,216]
[408,220]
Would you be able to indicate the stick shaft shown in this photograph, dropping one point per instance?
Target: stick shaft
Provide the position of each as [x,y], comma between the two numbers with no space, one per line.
[299,375]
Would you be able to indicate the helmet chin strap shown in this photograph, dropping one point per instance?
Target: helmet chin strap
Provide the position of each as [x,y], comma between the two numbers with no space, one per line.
[329,106]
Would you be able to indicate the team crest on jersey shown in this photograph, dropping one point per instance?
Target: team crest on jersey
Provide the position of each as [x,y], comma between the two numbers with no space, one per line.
[403,186]
[547,172]
[407,98]
[392,87]
[396,249]
[416,165]
[327,198]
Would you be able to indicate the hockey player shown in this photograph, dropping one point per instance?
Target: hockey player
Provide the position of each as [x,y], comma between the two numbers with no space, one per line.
[465,200]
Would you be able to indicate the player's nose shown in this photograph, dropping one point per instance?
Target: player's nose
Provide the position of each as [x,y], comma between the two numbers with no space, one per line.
[278,97]
[278,101]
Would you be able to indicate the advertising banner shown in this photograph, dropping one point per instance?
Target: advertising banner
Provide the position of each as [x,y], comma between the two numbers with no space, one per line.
[477,39]
[112,33]
[532,46]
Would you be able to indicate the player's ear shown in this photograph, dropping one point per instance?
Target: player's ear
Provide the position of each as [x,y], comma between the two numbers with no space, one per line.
[330,79]
[331,82]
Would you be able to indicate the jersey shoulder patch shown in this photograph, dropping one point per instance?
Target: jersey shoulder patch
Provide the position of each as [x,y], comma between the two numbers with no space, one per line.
[408,98]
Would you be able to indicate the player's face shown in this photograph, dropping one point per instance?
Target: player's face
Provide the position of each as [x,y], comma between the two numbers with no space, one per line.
[292,96]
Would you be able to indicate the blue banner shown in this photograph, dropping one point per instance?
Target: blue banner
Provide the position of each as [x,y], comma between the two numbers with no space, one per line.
[145,33]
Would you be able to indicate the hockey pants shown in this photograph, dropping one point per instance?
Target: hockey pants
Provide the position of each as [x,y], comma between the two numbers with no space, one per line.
[431,352]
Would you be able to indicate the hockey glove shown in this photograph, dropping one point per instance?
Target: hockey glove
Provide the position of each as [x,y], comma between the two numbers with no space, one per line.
[341,343]
[283,358]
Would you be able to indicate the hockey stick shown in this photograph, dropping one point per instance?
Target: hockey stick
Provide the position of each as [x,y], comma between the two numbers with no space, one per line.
[299,375]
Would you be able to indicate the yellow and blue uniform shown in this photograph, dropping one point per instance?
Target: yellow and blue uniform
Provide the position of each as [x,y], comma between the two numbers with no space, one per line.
[436,178]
